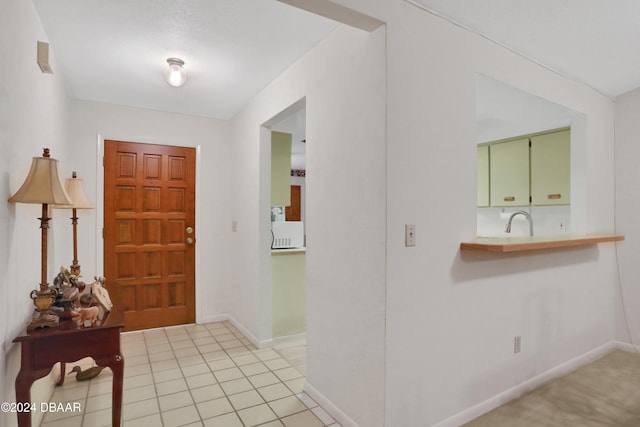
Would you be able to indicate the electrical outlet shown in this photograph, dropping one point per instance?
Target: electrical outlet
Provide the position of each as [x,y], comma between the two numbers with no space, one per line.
[563,225]
[409,235]
[517,344]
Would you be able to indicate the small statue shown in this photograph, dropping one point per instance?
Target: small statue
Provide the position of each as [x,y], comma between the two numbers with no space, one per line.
[87,374]
[86,314]
[69,292]
[60,278]
[80,285]
[101,294]
[68,287]
[86,298]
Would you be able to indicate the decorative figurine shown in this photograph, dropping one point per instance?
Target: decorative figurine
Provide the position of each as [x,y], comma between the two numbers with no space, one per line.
[68,287]
[101,294]
[89,314]
[87,374]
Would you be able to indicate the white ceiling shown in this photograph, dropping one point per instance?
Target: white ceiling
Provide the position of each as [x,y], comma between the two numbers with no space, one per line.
[115,51]
[594,41]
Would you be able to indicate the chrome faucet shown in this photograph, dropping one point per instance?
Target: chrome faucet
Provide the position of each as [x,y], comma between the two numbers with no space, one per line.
[508,227]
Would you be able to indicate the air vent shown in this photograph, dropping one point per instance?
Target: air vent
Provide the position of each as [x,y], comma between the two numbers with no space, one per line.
[282,242]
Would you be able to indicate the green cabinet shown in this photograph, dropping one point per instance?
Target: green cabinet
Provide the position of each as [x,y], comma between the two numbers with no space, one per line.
[288,293]
[509,173]
[550,168]
[528,170]
[280,168]
[483,175]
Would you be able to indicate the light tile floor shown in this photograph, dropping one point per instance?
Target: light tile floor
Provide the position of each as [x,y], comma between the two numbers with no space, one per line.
[294,352]
[195,375]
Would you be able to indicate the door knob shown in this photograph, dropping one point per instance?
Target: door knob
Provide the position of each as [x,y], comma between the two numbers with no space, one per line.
[189,230]
[189,241]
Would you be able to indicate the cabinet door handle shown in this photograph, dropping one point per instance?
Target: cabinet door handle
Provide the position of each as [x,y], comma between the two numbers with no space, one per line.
[554,196]
[509,198]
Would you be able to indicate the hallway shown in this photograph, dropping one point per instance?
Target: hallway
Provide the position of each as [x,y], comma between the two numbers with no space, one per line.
[195,375]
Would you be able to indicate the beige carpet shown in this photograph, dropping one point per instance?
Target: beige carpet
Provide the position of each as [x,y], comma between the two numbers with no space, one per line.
[604,393]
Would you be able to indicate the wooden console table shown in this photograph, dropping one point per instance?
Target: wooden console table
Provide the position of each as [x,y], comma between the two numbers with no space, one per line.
[42,348]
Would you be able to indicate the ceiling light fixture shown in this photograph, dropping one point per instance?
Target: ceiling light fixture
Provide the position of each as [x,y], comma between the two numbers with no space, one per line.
[175,74]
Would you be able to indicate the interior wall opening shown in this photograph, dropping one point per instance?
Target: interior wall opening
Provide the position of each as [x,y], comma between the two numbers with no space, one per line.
[530,154]
[286,281]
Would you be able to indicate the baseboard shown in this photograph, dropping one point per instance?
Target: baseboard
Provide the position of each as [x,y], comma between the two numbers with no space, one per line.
[627,347]
[290,339]
[239,326]
[526,386]
[343,419]
[252,338]
[265,344]
[214,318]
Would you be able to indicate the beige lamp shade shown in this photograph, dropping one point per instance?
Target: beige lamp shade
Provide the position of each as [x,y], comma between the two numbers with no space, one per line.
[42,184]
[75,189]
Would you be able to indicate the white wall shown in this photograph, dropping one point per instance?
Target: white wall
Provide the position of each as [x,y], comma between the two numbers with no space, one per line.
[93,122]
[452,316]
[627,191]
[34,112]
[343,81]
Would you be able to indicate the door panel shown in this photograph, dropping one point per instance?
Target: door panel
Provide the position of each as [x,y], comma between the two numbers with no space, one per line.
[509,173]
[294,212]
[551,168]
[149,204]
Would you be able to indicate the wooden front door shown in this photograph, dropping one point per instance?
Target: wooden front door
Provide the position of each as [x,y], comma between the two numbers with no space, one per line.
[149,232]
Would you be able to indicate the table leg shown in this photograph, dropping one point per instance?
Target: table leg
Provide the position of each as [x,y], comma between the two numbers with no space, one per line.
[23,395]
[117,367]
[63,367]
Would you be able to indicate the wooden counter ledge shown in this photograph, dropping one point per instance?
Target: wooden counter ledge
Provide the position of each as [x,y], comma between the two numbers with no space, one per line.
[518,244]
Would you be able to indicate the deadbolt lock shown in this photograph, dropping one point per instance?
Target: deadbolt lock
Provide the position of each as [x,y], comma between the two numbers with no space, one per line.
[189,230]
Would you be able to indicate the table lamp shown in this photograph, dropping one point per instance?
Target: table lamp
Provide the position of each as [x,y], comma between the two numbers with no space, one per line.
[43,186]
[79,200]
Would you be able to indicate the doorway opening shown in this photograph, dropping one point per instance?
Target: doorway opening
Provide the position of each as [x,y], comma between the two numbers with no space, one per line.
[287,249]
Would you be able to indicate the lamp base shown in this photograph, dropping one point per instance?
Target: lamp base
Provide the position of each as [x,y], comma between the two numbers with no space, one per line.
[43,320]
[43,299]
[75,269]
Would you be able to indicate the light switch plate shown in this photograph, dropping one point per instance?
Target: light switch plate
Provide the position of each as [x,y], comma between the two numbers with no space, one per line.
[409,235]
